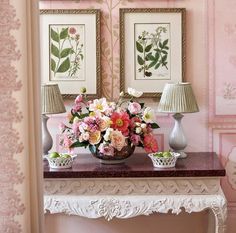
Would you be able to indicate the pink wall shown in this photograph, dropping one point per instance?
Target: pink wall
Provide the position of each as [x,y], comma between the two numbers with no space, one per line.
[211,68]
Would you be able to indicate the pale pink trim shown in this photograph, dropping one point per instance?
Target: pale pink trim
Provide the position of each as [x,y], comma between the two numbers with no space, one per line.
[213,117]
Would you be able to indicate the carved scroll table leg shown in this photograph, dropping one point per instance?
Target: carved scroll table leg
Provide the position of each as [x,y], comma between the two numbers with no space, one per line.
[219,208]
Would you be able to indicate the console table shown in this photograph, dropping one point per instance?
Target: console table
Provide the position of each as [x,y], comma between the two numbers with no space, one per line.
[94,190]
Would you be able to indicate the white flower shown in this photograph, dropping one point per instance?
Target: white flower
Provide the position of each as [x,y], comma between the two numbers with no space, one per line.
[137,123]
[81,138]
[83,127]
[148,115]
[85,136]
[99,105]
[107,134]
[138,130]
[76,120]
[143,126]
[134,92]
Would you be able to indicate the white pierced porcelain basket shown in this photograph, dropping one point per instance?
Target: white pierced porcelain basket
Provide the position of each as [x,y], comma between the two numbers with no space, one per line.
[60,162]
[164,162]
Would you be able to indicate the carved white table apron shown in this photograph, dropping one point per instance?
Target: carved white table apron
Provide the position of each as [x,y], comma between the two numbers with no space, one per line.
[131,197]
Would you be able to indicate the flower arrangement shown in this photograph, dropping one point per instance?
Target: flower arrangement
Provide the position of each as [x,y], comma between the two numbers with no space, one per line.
[108,127]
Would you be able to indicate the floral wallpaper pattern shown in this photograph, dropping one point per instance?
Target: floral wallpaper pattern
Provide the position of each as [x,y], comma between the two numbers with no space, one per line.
[10,174]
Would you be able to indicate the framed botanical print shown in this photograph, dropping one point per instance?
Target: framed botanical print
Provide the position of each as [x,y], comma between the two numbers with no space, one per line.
[152,48]
[70,50]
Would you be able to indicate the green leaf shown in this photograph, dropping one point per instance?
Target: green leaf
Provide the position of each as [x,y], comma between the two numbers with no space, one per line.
[155,126]
[64,33]
[82,56]
[83,115]
[65,52]
[166,47]
[55,51]
[153,63]
[53,65]
[148,48]
[150,57]
[163,51]
[163,59]
[165,42]
[160,45]
[65,65]
[79,144]
[54,35]
[140,60]
[157,55]
[157,66]
[158,50]
[139,47]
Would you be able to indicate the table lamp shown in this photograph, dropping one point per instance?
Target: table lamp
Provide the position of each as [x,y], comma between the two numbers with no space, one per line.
[177,99]
[52,103]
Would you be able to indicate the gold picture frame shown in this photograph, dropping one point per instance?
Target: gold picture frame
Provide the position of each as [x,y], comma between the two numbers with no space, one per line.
[161,33]
[71,50]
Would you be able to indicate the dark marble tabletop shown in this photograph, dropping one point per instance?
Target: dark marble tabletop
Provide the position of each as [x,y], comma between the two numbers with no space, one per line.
[197,164]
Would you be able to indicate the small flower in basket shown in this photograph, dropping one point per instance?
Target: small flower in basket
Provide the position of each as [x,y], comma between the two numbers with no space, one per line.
[110,130]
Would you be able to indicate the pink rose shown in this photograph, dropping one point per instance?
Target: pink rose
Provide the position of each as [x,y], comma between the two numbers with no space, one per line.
[78,99]
[134,108]
[117,140]
[77,107]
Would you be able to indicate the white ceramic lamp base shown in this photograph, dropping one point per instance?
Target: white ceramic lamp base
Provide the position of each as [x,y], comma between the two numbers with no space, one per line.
[47,138]
[177,139]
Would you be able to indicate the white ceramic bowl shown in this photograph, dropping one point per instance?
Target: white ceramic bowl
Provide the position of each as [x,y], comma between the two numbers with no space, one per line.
[164,162]
[60,162]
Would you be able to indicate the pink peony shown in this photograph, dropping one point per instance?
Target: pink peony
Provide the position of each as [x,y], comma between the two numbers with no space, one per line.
[150,144]
[106,149]
[134,108]
[135,139]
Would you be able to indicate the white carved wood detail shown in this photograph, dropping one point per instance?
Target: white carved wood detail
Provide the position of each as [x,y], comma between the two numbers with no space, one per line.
[130,197]
[123,206]
[130,186]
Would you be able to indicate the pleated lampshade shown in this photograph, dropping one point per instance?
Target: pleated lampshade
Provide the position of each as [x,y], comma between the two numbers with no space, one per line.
[178,98]
[52,102]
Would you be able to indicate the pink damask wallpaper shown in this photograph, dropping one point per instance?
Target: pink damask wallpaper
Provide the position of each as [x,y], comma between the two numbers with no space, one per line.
[11,143]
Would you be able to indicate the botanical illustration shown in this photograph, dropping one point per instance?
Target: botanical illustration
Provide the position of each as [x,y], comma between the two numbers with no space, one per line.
[229,91]
[152,52]
[67,52]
